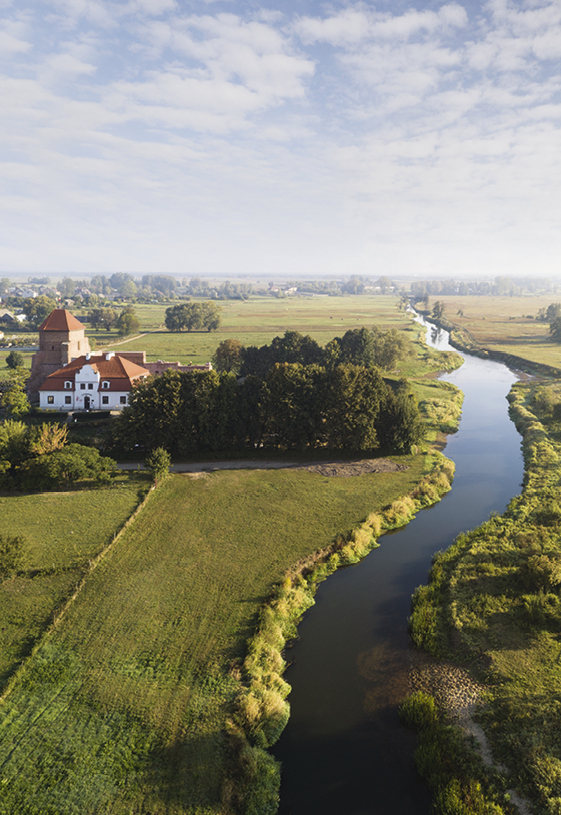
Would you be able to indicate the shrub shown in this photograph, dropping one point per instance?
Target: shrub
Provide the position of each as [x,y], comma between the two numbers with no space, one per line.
[157,463]
[12,555]
[15,359]
[419,711]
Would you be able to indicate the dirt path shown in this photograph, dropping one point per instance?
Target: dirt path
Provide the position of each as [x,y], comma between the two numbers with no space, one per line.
[341,469]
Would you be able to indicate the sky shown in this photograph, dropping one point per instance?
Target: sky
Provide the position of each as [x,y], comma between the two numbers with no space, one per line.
[293,139]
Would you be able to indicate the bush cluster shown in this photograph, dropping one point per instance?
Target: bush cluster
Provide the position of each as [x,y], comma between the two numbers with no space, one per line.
[39,458]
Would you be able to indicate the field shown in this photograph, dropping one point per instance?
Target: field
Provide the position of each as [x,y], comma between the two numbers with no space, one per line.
[123,707]
[62,531]
[506,324]
[253,322]
[256,322]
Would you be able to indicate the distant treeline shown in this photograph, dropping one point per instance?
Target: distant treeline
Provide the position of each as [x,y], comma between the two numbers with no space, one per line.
[509,286]
[294,407]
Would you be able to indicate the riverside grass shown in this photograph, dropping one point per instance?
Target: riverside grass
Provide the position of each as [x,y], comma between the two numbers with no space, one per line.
[505,326]
[493,604]
[145,696]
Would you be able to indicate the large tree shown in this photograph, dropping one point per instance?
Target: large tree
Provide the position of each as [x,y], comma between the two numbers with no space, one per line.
[228,356]
[193,317]
[127,322]
[555,329]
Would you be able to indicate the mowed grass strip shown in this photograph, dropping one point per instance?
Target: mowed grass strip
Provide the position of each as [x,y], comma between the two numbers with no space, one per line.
[62,532]
[124,708]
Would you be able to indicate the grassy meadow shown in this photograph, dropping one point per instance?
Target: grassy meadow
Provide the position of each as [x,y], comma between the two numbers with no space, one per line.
[124,707]
[505,324]
[256,321]
[63,531]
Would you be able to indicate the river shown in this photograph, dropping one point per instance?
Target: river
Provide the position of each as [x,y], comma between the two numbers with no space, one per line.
[344,751]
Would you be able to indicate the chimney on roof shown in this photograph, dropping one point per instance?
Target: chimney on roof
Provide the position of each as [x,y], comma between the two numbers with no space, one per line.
[109,355]
[88,356]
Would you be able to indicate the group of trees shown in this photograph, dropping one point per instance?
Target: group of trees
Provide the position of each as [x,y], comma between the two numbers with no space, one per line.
[126,322]
[36,309]
[14,398]
[204,316]
[293,407]
[358,346]
[40,458]
[552,315]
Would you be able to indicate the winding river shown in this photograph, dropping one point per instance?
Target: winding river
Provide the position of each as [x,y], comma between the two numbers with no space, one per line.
[344,751]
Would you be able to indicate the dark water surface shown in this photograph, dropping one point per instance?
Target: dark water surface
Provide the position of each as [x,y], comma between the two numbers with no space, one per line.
[344,751]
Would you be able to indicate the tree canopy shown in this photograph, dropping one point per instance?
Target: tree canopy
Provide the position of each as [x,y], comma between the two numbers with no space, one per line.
[39,458]
[293,407]
[193,317]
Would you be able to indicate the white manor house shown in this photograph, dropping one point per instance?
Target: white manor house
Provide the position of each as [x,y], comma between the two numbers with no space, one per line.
[67,376]
[91,382]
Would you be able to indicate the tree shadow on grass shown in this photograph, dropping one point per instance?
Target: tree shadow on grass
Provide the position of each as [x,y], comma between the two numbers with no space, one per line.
[190,772]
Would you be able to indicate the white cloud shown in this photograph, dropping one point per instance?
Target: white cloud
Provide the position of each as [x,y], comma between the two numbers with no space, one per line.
[136,134]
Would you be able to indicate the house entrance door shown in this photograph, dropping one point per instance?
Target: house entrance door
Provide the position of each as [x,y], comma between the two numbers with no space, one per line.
[86,402]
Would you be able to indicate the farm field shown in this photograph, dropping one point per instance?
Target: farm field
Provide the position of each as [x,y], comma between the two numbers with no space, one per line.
[256,322]
[62,531]
[123,708]
[506,324]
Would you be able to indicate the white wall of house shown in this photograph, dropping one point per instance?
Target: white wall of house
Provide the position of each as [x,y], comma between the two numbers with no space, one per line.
[75,400]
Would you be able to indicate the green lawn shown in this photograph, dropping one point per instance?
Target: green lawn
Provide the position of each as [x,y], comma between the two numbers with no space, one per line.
[62,531]
[123,708]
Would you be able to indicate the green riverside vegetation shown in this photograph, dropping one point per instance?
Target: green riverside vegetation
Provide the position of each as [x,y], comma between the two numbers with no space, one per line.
[493,604]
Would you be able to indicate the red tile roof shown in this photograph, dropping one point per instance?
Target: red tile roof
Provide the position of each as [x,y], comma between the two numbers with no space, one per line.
[61,320]
[120,372]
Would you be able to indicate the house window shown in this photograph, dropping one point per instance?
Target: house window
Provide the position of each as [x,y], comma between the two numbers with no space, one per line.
[50,400]
[82,386]
[90,386]
[104,400]
[105,384]
[67,400]
[123,400]
[68,384]
[78,346]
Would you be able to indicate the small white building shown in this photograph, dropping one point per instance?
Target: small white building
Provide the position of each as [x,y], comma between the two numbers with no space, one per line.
[91,382]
